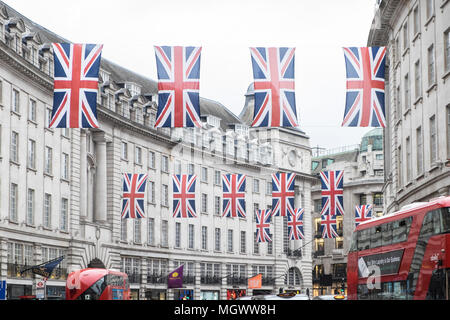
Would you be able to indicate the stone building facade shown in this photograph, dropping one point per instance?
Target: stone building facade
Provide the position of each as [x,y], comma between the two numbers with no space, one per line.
[363,183]
[61,188]
[417,136]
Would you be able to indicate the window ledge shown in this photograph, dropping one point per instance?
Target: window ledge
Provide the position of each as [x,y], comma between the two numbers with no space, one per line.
[446,74]
[16,113]
[416,36]
[32,122]
[48,175]
[431,87]
[406,111]
[14,163]
[49,130]
[434,166]
[430,19]
[32,169]
[419,99]
[405,51]
[444,2]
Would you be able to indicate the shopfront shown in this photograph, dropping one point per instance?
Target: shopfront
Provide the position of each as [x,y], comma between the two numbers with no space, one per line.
[15,291]
[209,295]
[156,294]
[233,294]
[183,294]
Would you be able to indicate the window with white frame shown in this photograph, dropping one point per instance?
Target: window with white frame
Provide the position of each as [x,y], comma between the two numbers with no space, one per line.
[151,231]
[191,236]
[204,203]
[48,160]
[138,155]
[165,195]
[164,163]
[65,166]
[32,110]
[31,154]
[64,214]
[123,229]
[217,178]
[151,159]
[217,201]
[164,233]
[204,238]
[230,240]
[204,174]
[137,230]
[177,234]
[124,150]
[14,147]
[30,207]
[256,185]
[15,107]
[217,240]
[47,214]
[433,140]
[151,191]
[191,169]
[13,202]
[243,242]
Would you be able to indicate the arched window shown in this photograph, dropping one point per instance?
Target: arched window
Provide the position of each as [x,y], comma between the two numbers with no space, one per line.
[294,277]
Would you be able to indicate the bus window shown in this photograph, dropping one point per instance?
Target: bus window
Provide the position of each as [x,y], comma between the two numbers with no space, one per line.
[401,229]
[375,237]
[386,234]
[445,217]
[364,239]
[354,245]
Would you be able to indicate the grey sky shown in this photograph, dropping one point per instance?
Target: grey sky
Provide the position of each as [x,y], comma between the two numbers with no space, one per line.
[226,29]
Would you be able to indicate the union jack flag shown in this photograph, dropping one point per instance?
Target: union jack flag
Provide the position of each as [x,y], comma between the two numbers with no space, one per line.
[184,196]
[233,195]
[329,226]
[178,86]
[363,213]
[133,195]
[263,225]
[364,105]
[295,224]
[76,70]
[283,193]
[273,73]
[332,192]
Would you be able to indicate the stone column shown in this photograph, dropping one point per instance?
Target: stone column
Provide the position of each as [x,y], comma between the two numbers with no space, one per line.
[100,179]
[83,175]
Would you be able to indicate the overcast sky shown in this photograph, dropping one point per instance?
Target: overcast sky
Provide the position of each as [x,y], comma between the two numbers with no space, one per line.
[226,29]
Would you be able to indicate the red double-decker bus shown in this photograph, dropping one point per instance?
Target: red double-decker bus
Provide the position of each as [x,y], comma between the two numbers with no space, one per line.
[402,255]
[97,284]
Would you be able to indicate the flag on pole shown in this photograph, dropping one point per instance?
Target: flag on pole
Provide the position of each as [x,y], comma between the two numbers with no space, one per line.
[133,205]
[363,213]
[364,106]
[295,224]
[76,68]
[233,195]
[184,196]
[283,193]
[255,282]
[178,86]
[45,269]
[332,192]
[274,82]
[263,225]
[175,278]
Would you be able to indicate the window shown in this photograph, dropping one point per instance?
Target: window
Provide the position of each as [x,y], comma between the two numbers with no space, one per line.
[124,150]
[32,110]
[204,203]
[15,101]
[269,188]
[137,230]
[13,202]
[255,244]
[418,79]
[269,247]
[177,235]
[14,147]
[138,155]
[256,185]
[419,150]
[65,166]
[217,205]
[151,159]
[204,238]
[165,195]
[31,154]
[339,243]
[151,231]
[378,199]
[407,87]
[433,140]
[47,210]
[48,160]
[285,235]
[204,175]
[191,236]
[430,9]
[151,191]
[177,167]
[48,117]
[408,159]
[123,229]
[217,178]
[398,111]
[217,234]
[399,167]
[165,164]
[191,168]
[243,242]
[64,214]
[1,83]
[230,240]
[447,49]
[431,72]
[165,233]
[416,20]
[30,207]
[405,36]
[362,199]
[448,132]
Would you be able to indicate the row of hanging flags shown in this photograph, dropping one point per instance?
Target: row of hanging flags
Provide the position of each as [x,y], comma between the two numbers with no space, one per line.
[233,186]
[76,70]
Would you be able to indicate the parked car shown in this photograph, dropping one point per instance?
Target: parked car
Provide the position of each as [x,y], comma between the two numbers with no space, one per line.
[331,297]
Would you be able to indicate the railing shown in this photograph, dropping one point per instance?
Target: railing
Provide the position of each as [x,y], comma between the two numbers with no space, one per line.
[14,271]
[297,253]
[268,281]
[210,280]
[156,278]
[236,280]
[318,253]
[189,279]
[134,277]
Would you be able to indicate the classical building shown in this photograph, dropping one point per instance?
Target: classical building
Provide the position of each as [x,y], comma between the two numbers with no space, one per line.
[363,183]
[417,136]
[61,188]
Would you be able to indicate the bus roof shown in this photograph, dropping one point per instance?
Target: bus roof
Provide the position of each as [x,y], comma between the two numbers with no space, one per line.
[406,211]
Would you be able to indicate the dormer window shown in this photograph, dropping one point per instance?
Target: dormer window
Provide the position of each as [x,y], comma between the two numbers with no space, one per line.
[134,89]
[241,129]
[104,76]
[213,121]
